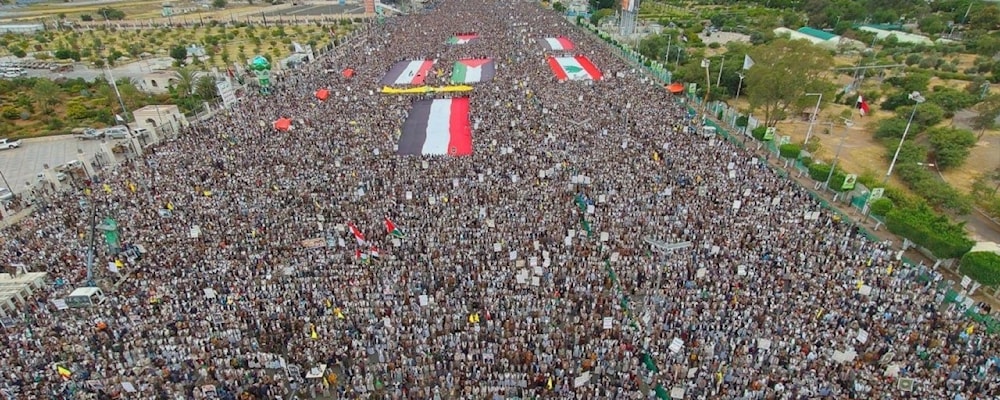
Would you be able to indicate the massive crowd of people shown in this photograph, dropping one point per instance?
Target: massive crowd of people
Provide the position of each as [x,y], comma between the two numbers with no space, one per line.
[252,278]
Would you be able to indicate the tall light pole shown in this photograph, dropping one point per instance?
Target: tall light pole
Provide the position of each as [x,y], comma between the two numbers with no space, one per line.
[847,131]
[705,63]
[917,98]
[812,118]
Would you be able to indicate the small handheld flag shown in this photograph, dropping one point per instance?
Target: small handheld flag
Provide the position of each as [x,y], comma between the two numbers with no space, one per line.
[747,62]
[360,237]
[393,230]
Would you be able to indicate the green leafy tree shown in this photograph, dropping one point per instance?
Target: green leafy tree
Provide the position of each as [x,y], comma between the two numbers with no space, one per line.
[205,88]
[558,6]
[17,51]
[45,93]
[219,3]
[783,72]
[891,128]
[928,114]
[951,146]
[951,100]
[111,14]
[185,84]
[179,53]
[987,113]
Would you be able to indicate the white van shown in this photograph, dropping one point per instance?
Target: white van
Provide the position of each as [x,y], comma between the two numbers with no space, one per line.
[116,132]
[85,297]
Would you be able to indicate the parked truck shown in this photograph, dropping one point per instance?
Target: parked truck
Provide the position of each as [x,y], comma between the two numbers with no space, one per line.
[9,144]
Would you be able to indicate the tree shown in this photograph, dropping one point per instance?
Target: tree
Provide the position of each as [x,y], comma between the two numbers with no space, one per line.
[783,72]
[951,146]
[111,14]
[86,18]
[890,128]
[219,3]
[205,88]
[179,53]
[185,84]
[987,113]
[595,18]
[17,51]
[45,93]
[951,100]
[558,6]
[928,114]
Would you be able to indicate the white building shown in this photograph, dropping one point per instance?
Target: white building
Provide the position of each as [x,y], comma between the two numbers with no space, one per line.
[22,28]
[902,37]
[160,117]
[158,82]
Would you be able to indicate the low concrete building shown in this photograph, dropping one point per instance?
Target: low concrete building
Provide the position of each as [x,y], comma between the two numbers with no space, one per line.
[160,118]
[22,28]
[158,82]
[902,37]
[820,38]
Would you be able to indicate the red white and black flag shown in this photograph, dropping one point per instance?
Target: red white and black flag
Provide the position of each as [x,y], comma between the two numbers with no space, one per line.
[862,106]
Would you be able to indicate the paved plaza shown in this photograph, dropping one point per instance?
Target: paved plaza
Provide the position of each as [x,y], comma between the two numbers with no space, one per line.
[21,166]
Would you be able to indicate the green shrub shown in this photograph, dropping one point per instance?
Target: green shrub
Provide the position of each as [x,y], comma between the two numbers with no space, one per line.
[10,112]
[819,171]
[790,150]
[759,132]
[880,206]
[890,127]
[982,266]
[951,145]
[932,231]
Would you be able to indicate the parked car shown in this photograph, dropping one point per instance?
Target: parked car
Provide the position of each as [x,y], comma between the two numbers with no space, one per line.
[6,194]
[59,175]
[9,144]
[91,134]
[116,132]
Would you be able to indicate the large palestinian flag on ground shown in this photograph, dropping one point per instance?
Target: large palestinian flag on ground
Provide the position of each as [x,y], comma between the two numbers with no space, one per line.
[558,43]
[473,70]
[462,38]
[574,68]
[408,73]
[437,127]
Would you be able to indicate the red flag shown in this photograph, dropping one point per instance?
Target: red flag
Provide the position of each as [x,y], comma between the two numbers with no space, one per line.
[862,106]
[357,233]
[391,228]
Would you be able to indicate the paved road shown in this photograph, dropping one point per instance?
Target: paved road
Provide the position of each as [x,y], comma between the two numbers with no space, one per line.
[22,166]
[319,9]
[135,70]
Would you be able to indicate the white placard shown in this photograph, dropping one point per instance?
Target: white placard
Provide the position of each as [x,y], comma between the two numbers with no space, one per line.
[676,345]
[546,255]
[454,182]
[497,248]
[732,174]
[966,281]
[568,241]
[513,255]
[581,380]
[615,256]
[605,236]
[490,223]
[602,198]
[60,304]
[129,387]
[715,250]
[775,201]
[397,242]
[677,393]
[209,293]
[608,323]
[737,204]
[432,200]
[865,290]
[194,233]
[533,261]
[521,279]
[571,233]
[746,192]
[741,270]
[764,344]
[423,300]
[538,271]
[535,281]
[409,195]
[731,166]
[701,273]
[590,209]
[424,164]
[863,336]
[519,264]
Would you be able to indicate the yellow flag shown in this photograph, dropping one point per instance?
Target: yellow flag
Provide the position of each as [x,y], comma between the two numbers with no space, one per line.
[328,303]
[338,313]
[314,335]
[549,385]
[86,191]
[207,193]
[970,329]
[63,371]
[888,270]
[170,206]
[131,186]
[656,156]
[107,188]
[860,284]
[119,263]
[819,313]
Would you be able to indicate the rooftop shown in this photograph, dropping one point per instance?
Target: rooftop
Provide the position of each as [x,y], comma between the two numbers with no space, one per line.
[816,33]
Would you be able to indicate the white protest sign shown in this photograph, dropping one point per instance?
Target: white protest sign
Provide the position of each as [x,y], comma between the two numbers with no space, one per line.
[605,236]
[409,195]
[676,345]
[423,300]
[581,380]
[863,336]
[608,323]
[497,248]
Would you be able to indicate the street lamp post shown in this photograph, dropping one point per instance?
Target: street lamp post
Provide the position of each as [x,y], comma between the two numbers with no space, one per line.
[812,118]
[847,130]
[917,98]
[705,63]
